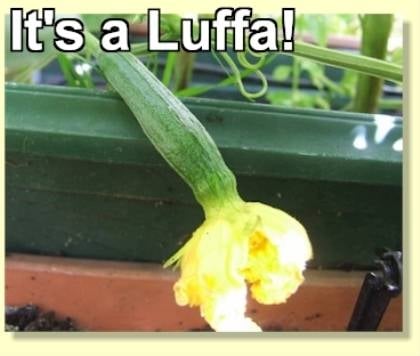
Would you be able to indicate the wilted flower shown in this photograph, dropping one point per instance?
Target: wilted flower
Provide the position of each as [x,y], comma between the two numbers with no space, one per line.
[239,244]
[251,245]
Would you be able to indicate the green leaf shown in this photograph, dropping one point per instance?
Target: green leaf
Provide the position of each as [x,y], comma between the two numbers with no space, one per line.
[281,98]
[282,72]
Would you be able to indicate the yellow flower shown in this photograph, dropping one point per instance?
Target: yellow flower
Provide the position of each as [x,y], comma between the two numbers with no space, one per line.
[251,245]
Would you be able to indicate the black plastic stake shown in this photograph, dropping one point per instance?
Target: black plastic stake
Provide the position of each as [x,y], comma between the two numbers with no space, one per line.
[376,293]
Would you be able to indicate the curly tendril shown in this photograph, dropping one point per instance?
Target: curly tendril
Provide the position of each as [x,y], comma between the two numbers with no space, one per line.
[239,78]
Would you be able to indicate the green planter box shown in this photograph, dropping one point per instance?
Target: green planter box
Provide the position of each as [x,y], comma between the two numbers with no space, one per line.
[82,180]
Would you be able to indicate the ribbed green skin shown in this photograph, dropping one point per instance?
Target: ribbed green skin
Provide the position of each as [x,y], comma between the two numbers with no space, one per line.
[175,132]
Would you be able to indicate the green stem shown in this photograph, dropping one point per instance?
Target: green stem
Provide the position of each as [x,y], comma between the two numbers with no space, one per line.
[169,69]
[67,69]
[376,30]
[390,104]
[201,89]
[184,66]
[295,80]
[362,64]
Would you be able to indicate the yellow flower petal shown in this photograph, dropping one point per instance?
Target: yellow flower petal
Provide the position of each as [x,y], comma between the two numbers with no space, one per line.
[251,243]
[278,252]
[211,277]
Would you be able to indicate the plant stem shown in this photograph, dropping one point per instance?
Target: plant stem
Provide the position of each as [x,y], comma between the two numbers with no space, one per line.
[362,64]
[169,68]
[375,33]
[67,69]
[184,66]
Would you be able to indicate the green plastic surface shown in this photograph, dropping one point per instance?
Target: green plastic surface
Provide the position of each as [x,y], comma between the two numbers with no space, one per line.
[83,180]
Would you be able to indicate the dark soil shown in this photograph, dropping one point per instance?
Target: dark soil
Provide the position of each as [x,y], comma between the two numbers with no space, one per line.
[31,318]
